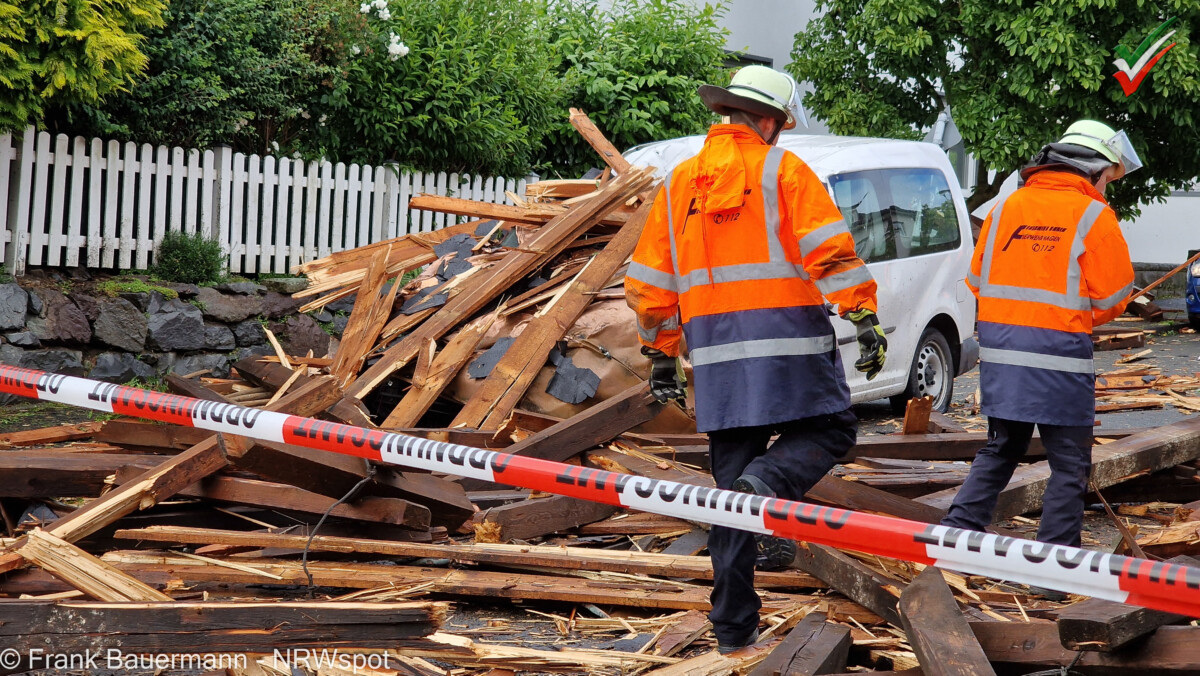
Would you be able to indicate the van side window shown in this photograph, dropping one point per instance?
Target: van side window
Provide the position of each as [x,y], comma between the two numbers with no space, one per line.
[897,213]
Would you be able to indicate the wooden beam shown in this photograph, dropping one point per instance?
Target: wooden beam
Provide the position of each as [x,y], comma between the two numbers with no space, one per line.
[532,214]
[596,139]
[1169,651]
[916,415]
[715,664]
[51,473]
[211,627]
[562,558]
[448,503]
[512,376]
[159,438]
[536,517]
[1151,449]
[322,472]
[860,583]
[940,423]
[1097,624]
[812,647]
[83,571]
[284,497]
[937,630]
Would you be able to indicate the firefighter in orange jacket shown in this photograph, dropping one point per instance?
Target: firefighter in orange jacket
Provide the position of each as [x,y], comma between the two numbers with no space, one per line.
[741,248]
[1050,264]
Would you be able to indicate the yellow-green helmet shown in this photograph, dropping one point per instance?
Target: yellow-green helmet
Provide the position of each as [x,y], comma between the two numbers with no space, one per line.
[758,90]
[1113,145]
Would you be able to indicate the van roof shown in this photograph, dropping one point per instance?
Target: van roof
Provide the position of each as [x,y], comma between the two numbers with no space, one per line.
[825,154]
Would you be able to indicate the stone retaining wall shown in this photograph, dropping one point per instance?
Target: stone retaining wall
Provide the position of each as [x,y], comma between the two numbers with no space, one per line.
[50,326]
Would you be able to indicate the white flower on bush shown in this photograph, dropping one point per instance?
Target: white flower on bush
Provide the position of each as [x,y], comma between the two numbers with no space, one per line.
[355,50]
[396,49]
[385,14]
[364,8]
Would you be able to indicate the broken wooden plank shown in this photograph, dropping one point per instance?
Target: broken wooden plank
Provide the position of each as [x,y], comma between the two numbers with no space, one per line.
[504,387]
[681,634]
[916,415]
[1148,450]
[532,214]
[812,647]
[940,423]
[83,571]
[448,503]
[937,630]
[1097,624]
[1153,285]
[715,664]
[143,435]
[442,369]
[367,318]
[596,139]
[330,474]
[652,593]
[547,243]
[562,558]
[211,627]
[50,435]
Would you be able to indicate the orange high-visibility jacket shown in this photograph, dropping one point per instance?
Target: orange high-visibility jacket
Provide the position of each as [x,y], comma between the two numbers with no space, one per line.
[1050,264]
[741,244]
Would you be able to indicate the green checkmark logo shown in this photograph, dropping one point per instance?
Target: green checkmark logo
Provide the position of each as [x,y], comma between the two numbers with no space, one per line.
[1143,58]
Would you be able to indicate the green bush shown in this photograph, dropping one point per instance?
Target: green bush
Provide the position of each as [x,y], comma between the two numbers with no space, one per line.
[189,259]
[65,51]
[464,85]
[634,69]
[240,72]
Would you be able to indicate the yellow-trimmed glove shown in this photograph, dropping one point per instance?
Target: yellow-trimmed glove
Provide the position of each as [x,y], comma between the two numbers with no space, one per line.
[664,376]
[872,344]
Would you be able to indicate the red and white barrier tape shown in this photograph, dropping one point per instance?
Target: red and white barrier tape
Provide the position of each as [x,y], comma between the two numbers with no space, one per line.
[1152,584]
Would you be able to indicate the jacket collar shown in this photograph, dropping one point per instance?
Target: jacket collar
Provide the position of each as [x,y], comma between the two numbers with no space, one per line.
[720,179]
[1049,179]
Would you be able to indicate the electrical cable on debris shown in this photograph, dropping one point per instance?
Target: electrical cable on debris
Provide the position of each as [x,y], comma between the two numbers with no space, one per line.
[1151,584]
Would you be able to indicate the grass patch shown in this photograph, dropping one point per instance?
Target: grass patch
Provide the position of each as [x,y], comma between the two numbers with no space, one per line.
[115,287]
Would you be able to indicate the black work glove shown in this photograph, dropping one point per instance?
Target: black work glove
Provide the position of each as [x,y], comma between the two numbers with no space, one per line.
[872,344]
[664,377]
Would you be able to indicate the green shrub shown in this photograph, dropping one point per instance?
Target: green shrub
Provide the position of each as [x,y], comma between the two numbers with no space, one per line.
[464,85]
[240,72]
[634,69]
[64,51]
[189,259]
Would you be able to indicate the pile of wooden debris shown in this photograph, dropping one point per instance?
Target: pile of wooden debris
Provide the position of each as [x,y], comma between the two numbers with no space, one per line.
[207,541]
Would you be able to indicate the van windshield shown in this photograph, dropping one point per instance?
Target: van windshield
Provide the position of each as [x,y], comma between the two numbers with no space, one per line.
[897,213]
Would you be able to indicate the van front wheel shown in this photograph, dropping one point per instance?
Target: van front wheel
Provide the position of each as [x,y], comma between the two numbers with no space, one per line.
[932,373]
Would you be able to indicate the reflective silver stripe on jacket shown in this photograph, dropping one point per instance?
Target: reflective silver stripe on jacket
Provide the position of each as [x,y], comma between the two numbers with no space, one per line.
[844,280]
[771,347]
[777,267]
[651,335]
[815,238]
[1036,360]
[648,275]
[1072,299]
[1113,300]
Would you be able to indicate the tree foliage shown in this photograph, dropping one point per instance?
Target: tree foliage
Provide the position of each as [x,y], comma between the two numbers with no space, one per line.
[240,72]
[64,51]
[1013,73]
[472,89]
[634,68]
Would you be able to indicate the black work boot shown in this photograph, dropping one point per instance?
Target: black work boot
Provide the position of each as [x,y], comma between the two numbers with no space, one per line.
[726,649]
[773,552]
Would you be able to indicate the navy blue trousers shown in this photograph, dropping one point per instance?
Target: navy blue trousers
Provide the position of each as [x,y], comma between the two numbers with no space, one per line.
[805,450]
[1069,452]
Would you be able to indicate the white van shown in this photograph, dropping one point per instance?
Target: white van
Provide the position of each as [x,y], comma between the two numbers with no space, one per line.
[910,224]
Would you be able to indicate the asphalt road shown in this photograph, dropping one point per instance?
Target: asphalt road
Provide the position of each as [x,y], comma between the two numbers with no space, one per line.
[1173,351]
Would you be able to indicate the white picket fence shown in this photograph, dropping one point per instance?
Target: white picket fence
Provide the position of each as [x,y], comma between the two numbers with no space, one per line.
[75,201]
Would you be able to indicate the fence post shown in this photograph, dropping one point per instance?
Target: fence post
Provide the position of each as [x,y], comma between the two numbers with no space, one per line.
[391,199]
[223,163]
[19,202]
